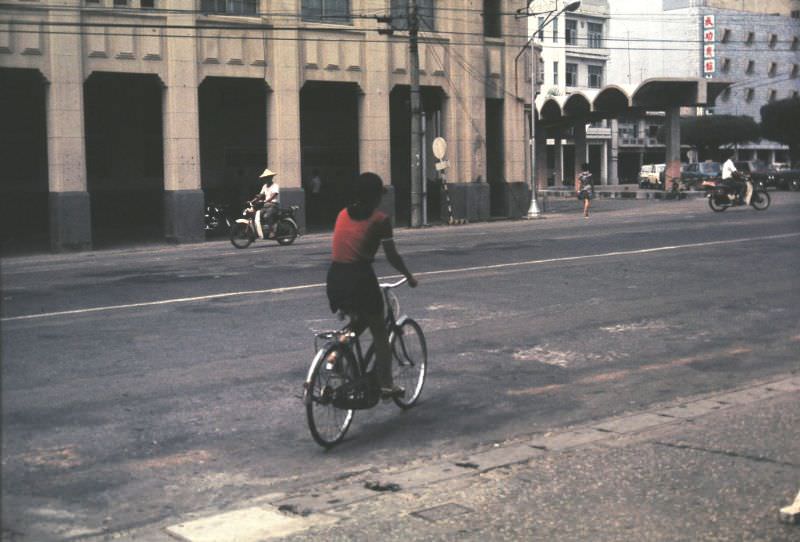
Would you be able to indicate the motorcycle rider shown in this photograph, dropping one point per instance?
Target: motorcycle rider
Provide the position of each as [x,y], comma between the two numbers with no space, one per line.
[271,196]
[731,177]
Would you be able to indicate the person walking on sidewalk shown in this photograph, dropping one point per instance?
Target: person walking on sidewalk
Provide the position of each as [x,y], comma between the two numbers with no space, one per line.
[584,187]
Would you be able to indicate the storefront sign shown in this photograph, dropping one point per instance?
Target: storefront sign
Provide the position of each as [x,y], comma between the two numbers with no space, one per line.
[709,52]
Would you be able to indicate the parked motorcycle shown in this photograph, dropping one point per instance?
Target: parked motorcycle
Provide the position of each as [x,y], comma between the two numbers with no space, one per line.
[721,195]
[252,226]
[216,218]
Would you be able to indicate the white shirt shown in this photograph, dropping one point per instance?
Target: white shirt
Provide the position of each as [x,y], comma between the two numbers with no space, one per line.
[268,191]
[728,169]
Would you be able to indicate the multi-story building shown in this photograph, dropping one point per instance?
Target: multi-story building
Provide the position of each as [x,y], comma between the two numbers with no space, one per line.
[754,45]
[574,58]
[128,114]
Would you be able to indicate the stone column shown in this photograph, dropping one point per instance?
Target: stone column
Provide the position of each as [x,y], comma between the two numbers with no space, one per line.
[558,169]
[541,157]
[183,196]
[613,165]
[468,138]
[374,138]
[673,140]
[69,204]
[604,163]
[580,146]
[373,115]
[283,112]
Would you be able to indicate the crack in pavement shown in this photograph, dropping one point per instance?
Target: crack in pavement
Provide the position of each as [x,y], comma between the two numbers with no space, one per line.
[727,453]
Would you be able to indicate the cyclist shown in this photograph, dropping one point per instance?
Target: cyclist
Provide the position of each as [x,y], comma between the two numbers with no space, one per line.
[270,195]
[732,177]
[352,286]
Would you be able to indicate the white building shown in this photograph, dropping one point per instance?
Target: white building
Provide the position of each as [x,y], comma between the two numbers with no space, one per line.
[574,57]
[754,45]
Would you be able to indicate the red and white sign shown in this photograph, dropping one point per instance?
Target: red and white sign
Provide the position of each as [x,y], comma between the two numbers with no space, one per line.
[709,48]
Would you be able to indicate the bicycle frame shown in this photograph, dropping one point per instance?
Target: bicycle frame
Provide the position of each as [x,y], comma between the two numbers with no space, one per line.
[364,358]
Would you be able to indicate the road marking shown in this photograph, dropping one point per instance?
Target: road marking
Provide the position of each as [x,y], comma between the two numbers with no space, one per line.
[422,274]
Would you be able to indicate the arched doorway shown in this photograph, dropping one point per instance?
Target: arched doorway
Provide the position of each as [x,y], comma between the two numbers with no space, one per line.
[23,154]
[329,147]
[233,138]
[124,157]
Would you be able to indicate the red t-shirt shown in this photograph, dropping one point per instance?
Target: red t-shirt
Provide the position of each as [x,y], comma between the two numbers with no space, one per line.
[357,241]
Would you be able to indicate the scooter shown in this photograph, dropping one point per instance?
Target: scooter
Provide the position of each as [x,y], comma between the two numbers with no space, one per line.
[216,218]
[251,226]
[721,195]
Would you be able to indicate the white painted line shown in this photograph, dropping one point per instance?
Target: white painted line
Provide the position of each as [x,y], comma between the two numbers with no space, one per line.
[422,274]
[163,302]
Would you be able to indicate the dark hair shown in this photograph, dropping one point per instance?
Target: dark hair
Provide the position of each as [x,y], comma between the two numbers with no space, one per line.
[585,166]
[367,192]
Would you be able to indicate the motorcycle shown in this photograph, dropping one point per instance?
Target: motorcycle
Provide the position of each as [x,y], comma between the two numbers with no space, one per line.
[721,195]
[216,218]
[252,226]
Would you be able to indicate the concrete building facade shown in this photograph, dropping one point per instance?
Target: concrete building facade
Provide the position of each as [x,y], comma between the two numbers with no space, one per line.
[130,114]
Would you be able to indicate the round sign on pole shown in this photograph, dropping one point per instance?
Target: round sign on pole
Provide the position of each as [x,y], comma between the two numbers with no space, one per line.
[439,147]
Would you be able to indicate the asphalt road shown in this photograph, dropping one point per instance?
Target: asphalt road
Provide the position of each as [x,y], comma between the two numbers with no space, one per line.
[140,385]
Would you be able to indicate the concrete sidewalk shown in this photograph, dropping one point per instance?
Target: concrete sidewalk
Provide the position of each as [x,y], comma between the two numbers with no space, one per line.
[620,192]
[717,467]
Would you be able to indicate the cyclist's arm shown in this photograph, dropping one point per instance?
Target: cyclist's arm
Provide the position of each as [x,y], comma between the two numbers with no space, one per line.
[396,261]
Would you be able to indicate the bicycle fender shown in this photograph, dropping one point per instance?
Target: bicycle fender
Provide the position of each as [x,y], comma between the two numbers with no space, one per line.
[307,384]
[296,227]
[402,320]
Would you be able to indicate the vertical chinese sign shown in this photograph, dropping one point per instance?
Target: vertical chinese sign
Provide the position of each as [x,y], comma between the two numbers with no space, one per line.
[709,37]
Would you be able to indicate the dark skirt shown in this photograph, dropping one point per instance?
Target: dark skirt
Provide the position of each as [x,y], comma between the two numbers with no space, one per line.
[353,288]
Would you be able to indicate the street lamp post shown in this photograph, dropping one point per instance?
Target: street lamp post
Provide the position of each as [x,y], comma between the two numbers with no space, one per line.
[533,211]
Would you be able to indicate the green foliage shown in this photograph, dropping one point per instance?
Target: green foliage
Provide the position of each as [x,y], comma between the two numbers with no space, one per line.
[711,132]
[780,121]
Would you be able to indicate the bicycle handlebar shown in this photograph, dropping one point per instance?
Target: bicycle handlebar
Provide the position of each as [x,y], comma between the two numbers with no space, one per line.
[393,284]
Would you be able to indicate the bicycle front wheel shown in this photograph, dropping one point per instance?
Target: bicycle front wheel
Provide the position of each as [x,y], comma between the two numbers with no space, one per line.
[328,424]
[409,361]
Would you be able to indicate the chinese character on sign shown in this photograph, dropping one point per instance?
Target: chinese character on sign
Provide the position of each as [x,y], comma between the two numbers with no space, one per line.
[709,49]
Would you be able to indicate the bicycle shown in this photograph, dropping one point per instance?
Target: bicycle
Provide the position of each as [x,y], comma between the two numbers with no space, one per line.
[342,377]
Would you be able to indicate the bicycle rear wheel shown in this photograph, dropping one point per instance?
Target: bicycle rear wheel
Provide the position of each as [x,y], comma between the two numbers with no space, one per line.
[409,361]
[328,424]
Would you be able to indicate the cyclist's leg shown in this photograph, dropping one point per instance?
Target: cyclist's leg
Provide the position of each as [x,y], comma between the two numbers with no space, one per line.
[383,355]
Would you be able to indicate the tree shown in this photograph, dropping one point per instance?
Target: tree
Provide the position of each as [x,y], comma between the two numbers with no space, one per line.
[708,133]
[780,121]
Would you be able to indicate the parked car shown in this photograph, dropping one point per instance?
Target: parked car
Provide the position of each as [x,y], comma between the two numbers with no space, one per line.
[652,176]
[757,170]
[783,178]
[694,174]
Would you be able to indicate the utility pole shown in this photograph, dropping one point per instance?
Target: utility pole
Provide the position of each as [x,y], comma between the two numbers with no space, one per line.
[416,124]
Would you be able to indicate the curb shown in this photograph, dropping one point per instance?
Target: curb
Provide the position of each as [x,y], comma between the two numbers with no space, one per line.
[310,506]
